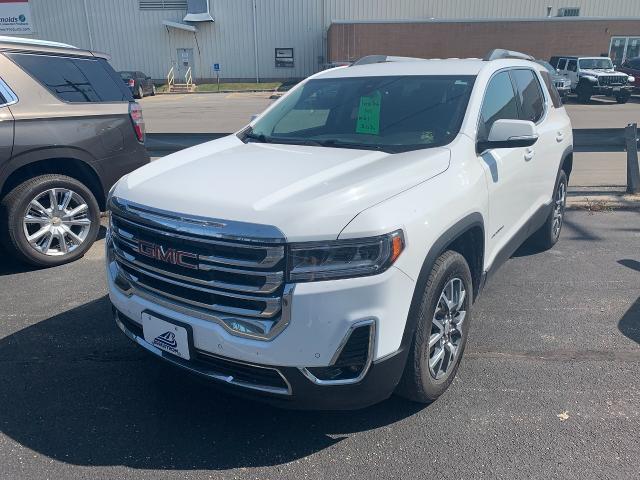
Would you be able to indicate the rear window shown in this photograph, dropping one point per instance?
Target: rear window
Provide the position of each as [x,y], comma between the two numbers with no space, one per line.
[126,75]
[75,80]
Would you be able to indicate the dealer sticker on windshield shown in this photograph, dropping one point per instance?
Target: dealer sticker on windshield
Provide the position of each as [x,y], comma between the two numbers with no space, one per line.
[369,114]
[166,336]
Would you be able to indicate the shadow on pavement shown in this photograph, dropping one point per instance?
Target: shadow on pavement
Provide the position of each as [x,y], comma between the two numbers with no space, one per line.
[632,264]
[76,390]
[629,324]
[10,265]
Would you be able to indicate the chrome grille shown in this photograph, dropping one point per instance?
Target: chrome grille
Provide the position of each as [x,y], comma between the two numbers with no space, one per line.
[207,266]
[612,80]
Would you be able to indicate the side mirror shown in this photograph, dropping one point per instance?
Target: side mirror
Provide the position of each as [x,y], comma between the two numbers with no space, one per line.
[254,116]
[509,134]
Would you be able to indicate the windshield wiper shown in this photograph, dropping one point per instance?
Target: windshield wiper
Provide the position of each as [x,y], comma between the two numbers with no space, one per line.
[260,137]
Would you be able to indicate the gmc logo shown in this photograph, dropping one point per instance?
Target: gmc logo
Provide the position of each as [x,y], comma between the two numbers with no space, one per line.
[167,255]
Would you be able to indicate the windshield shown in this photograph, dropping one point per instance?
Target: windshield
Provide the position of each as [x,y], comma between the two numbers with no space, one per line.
[390,113]
[596,64]
[548,66]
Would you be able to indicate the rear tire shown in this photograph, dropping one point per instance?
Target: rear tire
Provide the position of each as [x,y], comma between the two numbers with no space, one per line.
[153,90]
[49,220]
[444,316]
[140,93]
[547,236]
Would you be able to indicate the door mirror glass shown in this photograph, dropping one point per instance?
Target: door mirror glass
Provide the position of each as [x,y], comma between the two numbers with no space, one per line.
[507,133]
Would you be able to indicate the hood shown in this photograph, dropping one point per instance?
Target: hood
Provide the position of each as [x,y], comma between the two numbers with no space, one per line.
[598,73]
[308,192]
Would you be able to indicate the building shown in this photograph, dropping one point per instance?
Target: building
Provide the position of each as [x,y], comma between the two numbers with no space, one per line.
[279,39]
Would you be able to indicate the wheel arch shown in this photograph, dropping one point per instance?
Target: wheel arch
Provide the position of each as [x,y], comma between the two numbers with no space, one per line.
[53,162]
[466,237]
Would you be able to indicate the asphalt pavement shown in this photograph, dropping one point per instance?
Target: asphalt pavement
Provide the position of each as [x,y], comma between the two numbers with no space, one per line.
[549,386]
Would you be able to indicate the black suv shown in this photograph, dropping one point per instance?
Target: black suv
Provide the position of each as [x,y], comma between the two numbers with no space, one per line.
[69,129]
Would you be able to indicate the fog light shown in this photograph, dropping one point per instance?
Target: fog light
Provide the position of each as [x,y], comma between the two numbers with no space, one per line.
[352,359]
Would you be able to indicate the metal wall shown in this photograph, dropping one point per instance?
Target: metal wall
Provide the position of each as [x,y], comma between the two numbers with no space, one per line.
[138,40]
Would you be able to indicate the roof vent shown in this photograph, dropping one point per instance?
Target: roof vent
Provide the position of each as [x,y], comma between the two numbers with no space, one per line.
[198,11]
[569,12]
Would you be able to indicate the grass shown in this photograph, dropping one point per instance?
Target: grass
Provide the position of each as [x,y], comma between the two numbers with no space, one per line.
[234,86]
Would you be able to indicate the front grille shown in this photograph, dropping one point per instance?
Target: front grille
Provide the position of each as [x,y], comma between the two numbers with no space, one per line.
[238,282]
[607,80]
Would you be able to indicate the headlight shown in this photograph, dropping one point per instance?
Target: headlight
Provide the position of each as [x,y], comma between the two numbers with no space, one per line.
[631,79]
[591,78]
[310,262]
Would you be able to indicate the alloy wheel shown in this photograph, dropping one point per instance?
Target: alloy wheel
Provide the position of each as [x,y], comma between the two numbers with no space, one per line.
[56,222]
[446,329]
[558,209]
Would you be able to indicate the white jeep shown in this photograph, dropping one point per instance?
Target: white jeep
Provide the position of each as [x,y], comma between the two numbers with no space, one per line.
[595,76]
[330,253]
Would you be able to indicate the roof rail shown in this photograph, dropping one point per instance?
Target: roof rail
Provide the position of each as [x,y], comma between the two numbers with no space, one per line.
[501,53]
[366,60]
[33,41]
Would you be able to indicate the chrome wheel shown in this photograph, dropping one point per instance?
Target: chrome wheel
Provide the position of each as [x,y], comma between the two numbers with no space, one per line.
[56,221]
[558,209]
[446,329]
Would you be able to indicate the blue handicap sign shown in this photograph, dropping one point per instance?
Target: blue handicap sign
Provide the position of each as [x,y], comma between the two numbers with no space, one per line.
[216,67]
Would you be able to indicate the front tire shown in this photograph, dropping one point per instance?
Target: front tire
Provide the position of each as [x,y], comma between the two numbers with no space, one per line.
[49,220]
[584,92]
[623,98]
[442,327]
[153,90]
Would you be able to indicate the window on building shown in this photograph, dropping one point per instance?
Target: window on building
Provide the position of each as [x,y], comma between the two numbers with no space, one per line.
[529,95]
[76,80]
[499,103]
[162,4]
[569,12]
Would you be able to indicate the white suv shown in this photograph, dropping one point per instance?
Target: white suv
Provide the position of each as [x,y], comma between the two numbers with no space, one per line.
[329,254]
[595,76]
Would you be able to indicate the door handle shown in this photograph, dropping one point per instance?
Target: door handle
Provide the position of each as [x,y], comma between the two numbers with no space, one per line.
[559,137]
[529,153]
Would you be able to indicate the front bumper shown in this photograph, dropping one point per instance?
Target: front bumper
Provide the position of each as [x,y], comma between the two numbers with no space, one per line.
[612,91]
[285,387]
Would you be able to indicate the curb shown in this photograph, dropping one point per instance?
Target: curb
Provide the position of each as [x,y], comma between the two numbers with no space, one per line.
[604,203]
[214,92]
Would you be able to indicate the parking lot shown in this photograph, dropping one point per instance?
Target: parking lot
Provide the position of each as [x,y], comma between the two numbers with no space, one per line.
[549,386]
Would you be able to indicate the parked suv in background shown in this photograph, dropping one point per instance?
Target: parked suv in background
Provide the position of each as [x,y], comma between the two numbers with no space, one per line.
[330,253]
[139,83]
[69,130]
[632,68]
[594,76]
[561,82]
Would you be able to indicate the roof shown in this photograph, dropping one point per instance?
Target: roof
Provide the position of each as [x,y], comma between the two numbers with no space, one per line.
[45,46]
[449,66]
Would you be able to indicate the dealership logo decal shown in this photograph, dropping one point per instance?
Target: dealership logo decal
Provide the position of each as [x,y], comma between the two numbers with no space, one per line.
[167,341]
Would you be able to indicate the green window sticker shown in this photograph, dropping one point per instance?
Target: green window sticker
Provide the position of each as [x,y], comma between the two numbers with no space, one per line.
[369,114]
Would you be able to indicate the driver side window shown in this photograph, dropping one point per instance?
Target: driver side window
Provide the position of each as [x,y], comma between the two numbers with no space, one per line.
[499,103]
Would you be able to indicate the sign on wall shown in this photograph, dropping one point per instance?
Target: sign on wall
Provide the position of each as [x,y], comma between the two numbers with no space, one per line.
[284,57]
[15,17]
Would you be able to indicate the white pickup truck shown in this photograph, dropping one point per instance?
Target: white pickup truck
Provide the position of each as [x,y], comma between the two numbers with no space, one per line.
[330,253]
